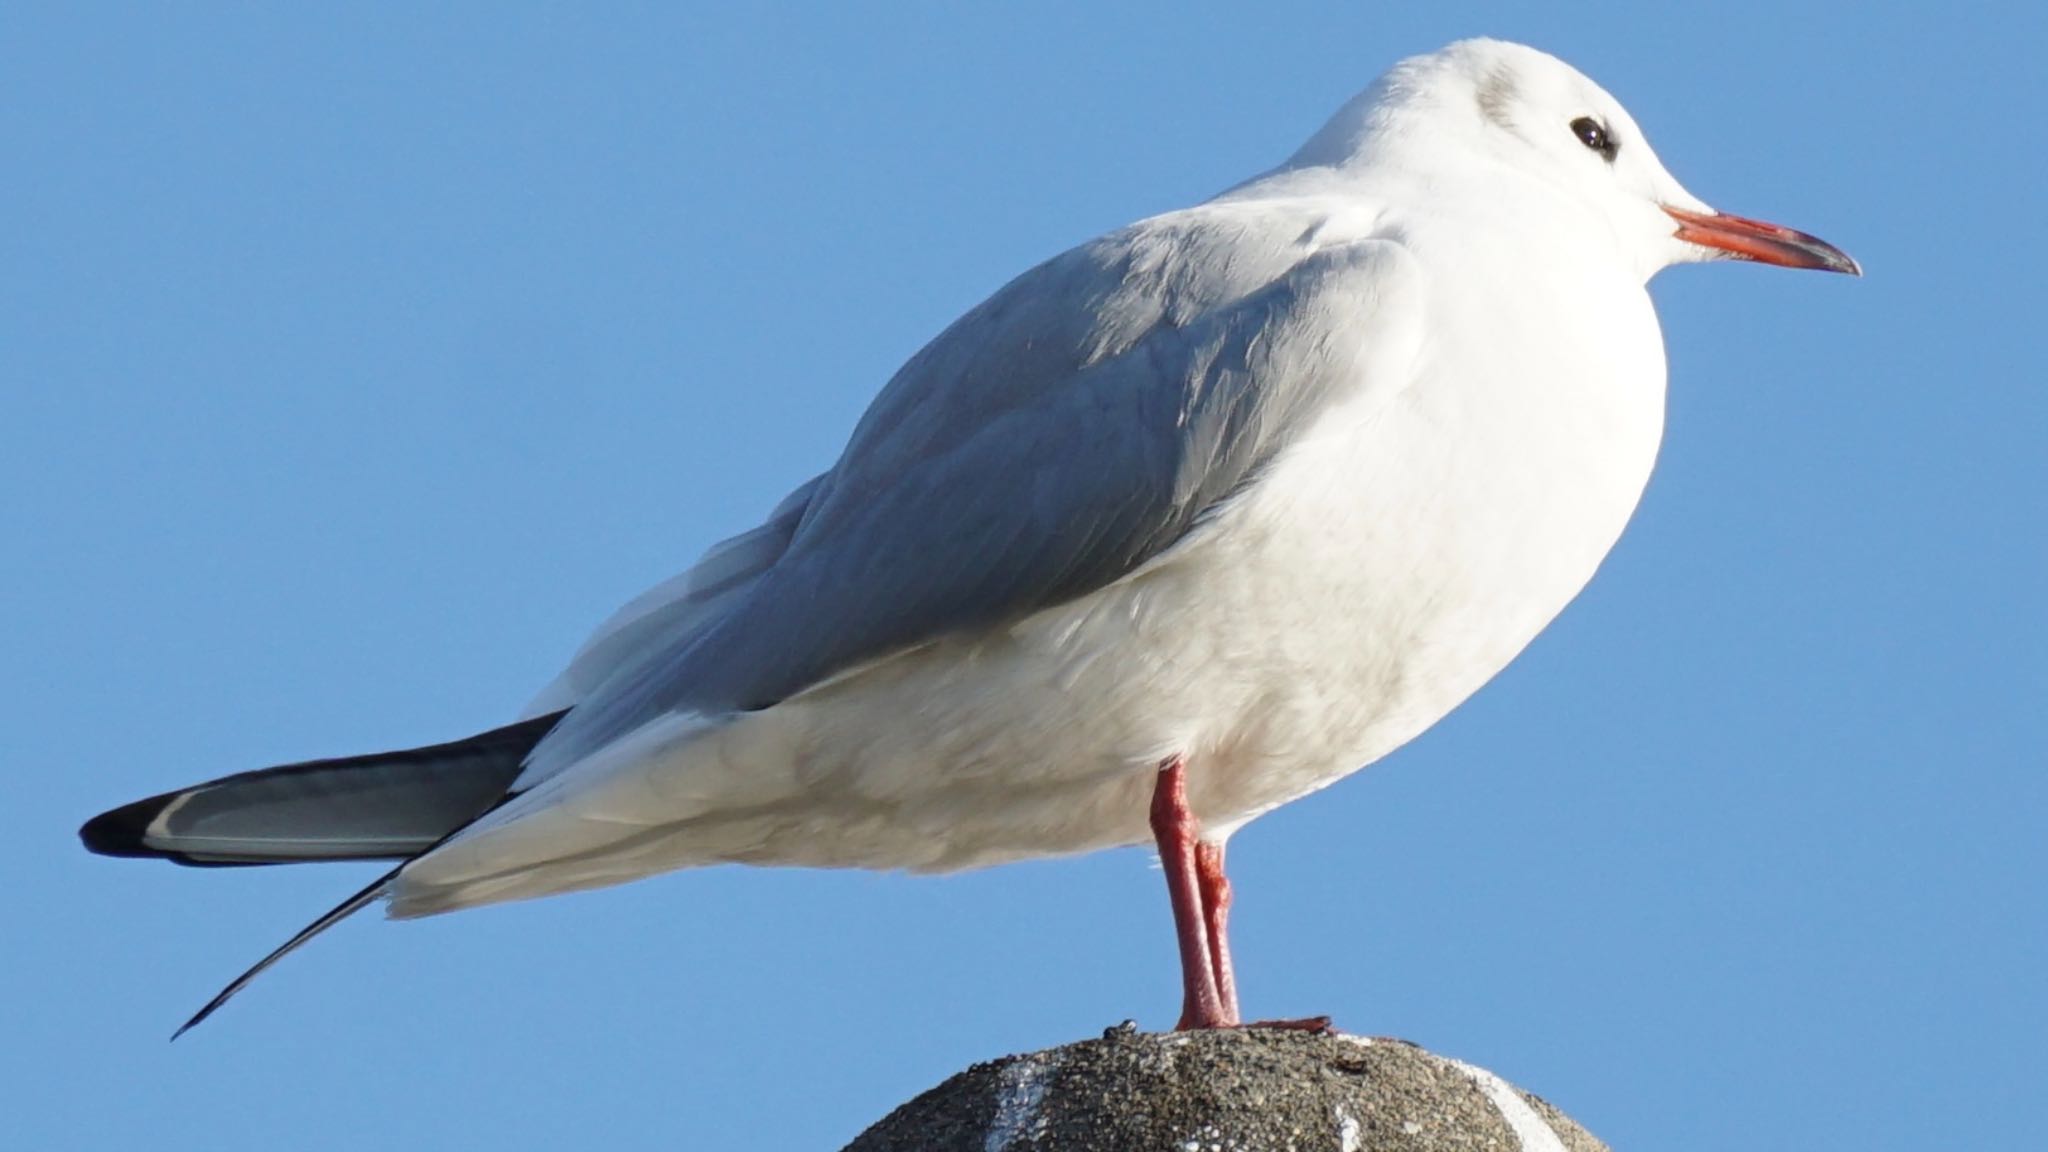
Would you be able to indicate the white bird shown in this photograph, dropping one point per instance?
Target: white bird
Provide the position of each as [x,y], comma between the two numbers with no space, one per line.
[1182,524]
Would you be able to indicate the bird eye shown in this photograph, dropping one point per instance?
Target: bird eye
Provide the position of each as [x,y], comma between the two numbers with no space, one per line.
[1593,134]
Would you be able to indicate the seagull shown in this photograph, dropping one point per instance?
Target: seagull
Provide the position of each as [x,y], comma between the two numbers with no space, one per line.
[1181,525]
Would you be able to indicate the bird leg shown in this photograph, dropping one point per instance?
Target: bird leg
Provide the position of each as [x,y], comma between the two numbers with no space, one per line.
[1201,912]
[1215,890]
[1194,879]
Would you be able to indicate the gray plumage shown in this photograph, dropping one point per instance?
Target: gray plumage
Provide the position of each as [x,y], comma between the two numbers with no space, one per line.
[1046,444]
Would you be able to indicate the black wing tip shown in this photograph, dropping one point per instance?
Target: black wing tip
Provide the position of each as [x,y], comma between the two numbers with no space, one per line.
[121,831]
[124,832]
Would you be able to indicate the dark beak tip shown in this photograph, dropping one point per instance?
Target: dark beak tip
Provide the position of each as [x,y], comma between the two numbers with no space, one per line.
[1833,259]
[1822,257]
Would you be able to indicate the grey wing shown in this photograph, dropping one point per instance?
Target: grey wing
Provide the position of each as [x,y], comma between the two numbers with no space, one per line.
[1079,423]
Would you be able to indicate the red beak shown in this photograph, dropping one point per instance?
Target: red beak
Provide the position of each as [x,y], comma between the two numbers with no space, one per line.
[1747,239]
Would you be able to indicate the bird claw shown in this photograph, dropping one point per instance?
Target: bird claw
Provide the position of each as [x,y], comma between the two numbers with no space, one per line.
[1313,1025]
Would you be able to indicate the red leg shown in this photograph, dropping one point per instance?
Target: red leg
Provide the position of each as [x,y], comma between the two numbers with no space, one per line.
[1175,831]
[1216,919]
[1201,912]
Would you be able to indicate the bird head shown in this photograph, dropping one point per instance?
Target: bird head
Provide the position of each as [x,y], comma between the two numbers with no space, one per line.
[1530,117]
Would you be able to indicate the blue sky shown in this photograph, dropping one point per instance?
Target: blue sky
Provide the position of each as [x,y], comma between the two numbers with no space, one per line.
[353,365]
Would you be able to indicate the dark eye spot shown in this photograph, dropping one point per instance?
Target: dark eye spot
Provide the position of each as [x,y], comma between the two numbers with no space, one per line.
[1593,134]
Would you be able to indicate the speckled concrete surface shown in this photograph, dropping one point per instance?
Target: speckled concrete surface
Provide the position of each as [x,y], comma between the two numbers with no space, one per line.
[1226,1091]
